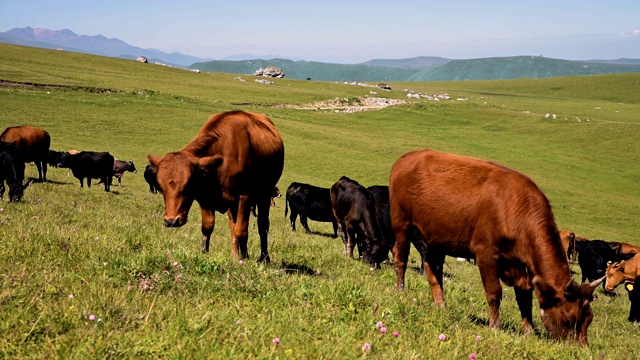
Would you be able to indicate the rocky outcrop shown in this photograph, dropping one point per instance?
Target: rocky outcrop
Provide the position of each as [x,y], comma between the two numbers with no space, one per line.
[270,71]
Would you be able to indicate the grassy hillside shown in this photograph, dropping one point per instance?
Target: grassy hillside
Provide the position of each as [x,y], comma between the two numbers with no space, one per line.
[111,252]
[534,67]
[425,69]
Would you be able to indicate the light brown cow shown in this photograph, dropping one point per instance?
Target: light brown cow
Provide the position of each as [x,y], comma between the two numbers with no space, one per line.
[470,208]
[33,144]
[624,271]
[235,161]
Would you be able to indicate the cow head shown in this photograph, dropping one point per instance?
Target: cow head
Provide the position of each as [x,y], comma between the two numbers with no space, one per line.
[16,190]
[569,314]
[180,177]
[376,252]
[615,275]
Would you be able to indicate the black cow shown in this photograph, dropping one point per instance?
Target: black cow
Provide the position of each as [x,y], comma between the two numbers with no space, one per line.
[381,195]
[633,289]
[310,202]
[91,165]
[12,171]
[355,211]
[593,256]
[151,176]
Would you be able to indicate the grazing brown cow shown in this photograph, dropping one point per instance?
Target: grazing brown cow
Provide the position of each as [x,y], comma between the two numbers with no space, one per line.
[235,161]
[568,239]
[33,144]
[470,208]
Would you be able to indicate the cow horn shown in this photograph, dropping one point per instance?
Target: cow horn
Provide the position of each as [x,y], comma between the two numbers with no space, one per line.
[567,287]
[597,282]
[609,262]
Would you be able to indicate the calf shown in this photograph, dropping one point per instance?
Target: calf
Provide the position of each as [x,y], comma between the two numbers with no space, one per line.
[381,196]
[33,144]
[629,273]
[354,209]
[91,165]
[310,202]
[11,171]
[119,168]
[151,176]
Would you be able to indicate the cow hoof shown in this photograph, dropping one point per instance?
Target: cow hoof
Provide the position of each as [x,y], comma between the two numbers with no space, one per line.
[264,258]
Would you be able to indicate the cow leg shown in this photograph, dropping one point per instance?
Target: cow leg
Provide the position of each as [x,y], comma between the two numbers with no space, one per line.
[305,225]
[81,182]
[263,206]
[239,223]
[492,287]
[208,224]
[524,299]
[108,183]
[292,219]
[2,189]
[433,270]
[401,253]
[351,240]
[335,228]
[88,182]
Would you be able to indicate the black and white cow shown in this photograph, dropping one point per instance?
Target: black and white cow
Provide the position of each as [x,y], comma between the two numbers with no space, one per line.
[310,202]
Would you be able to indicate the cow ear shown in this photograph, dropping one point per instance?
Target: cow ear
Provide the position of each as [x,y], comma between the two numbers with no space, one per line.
[154,160]
[543,290]
[210,163]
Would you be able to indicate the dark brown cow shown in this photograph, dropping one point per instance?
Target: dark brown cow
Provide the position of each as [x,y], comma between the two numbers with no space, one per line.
[235,161]
[33,144]
[470,208]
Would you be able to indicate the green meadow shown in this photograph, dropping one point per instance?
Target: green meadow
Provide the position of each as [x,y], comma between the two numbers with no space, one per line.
[90,274]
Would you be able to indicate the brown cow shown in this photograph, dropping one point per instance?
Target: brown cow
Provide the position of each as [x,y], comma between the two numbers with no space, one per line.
[470,208]
[235,161]
[624,271]
[33,144]
[568,239]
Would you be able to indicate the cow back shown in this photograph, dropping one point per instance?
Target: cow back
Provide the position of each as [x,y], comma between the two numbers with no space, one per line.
[251,148]
[33,142]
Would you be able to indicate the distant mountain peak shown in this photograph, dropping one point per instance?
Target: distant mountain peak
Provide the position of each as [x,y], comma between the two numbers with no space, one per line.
[93,44]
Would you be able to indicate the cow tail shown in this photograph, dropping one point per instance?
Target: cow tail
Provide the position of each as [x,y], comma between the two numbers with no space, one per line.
[286,204]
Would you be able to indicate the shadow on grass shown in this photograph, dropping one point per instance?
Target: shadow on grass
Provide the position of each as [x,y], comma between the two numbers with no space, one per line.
[510,328]
[299,269]
[328,235]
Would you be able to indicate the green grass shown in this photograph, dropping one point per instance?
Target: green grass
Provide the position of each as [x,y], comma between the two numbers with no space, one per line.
[112,253]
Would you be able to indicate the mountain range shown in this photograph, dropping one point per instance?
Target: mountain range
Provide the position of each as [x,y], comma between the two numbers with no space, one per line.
[422,68]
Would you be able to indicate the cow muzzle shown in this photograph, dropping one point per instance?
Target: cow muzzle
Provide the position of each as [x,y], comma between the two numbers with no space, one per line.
[173,222]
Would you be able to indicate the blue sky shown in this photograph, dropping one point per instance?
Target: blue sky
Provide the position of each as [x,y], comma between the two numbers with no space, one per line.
[348,31]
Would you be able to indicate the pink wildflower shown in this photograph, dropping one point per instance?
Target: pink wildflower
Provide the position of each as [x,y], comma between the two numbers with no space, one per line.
[396,334]
[276,341]
[472,356]
[70,296]
[478,338]
[239,322]
[35,217]
[442,337]
[175,264]
[379,324]
[366,347]
[414,299]
[383,330]
[92,317]
[241,262]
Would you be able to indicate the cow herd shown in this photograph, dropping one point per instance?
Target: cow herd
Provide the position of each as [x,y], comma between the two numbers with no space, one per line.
[443,204]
